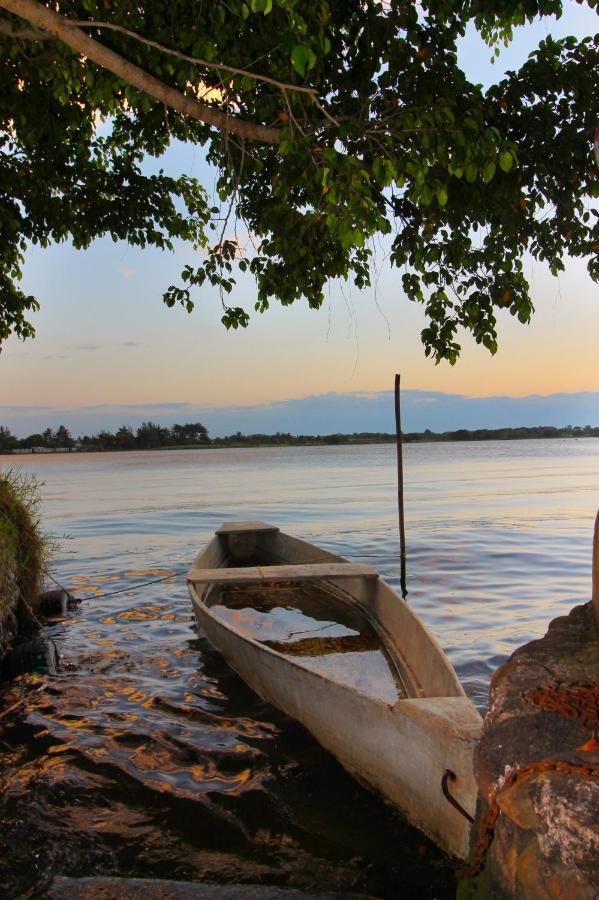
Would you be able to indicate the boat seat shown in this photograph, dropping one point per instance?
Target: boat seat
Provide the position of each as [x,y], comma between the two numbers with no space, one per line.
[266,574]
[256,527]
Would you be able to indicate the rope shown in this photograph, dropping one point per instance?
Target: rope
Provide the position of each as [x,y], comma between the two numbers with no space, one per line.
[126,590]
[180,572]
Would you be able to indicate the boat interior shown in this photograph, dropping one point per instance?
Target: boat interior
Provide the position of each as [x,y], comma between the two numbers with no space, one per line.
[256,555]
[310,605]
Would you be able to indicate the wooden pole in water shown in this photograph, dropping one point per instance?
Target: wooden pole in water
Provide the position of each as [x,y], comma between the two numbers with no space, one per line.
[402,527]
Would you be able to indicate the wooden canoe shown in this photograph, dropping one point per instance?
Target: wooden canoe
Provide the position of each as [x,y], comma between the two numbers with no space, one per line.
[400,742]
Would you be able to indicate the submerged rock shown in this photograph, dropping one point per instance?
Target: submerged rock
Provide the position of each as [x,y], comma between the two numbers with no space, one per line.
[538,762]
[55,603]
[35,654]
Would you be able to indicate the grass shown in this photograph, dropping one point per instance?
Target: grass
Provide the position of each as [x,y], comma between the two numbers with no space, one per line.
[23,552]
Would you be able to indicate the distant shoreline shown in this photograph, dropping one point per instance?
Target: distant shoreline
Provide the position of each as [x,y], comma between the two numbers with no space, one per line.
[239,441]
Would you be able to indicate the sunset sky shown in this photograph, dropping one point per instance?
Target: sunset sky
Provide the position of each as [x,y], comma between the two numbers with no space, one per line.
[104,336]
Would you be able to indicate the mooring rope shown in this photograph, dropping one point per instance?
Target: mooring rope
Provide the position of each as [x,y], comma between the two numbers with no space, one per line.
[125,590]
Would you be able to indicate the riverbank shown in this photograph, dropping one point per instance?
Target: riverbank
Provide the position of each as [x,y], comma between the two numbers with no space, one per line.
[22,551]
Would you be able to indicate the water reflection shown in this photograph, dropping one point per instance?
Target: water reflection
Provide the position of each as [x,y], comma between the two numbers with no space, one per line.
[308,624]
[150,757]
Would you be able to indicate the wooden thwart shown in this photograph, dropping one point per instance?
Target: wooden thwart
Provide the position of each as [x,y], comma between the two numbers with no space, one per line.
[256,527]
[302,572]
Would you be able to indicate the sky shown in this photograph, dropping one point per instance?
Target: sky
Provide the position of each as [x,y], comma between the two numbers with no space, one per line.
[105,341]
[331,413]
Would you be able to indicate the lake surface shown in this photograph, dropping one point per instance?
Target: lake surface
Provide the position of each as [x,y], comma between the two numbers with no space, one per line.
[146,755]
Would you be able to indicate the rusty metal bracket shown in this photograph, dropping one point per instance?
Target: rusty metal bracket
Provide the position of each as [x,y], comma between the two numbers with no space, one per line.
[448,776]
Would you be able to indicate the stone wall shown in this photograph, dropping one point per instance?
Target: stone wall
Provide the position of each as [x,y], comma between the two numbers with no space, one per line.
[537,767]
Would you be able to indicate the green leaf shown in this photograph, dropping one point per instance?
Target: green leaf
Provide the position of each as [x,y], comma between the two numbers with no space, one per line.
[346,237]
[506,161]
[426,195]
[489,170]
[471,172]
[300,58]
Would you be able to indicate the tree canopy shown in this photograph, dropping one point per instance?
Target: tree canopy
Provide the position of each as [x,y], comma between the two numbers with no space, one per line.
[330,122]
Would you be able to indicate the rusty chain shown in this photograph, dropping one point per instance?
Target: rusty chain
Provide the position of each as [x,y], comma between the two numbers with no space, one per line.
[523,773]
[574,702]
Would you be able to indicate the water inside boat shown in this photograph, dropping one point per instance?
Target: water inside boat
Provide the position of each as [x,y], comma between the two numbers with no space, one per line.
[309,624]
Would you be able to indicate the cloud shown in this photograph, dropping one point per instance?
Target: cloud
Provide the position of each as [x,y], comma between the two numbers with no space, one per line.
[25,410]
[127,272]
[86,348]
[132,344]
[134,408]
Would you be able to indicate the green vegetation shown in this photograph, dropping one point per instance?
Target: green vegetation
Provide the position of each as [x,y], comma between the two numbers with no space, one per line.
[414,437]
[150,436]
[329,123]
[23,553]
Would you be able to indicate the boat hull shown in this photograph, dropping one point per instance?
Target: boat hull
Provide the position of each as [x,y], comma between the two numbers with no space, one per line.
[401,750]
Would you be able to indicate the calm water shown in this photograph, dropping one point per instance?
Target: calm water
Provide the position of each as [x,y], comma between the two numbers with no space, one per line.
[146,755]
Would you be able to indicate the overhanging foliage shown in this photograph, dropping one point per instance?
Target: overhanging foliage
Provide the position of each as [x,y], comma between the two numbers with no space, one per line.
[330,123]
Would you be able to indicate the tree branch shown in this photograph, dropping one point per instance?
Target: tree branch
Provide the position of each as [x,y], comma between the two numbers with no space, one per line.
[74,37]
[282,85]
[11,29]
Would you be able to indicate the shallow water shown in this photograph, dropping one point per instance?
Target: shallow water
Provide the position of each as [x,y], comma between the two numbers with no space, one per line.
[304,623]
[147,755]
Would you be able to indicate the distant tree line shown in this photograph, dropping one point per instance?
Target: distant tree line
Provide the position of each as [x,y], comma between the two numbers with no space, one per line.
[150,436]
[503,434]
[59,439]
[412,437]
